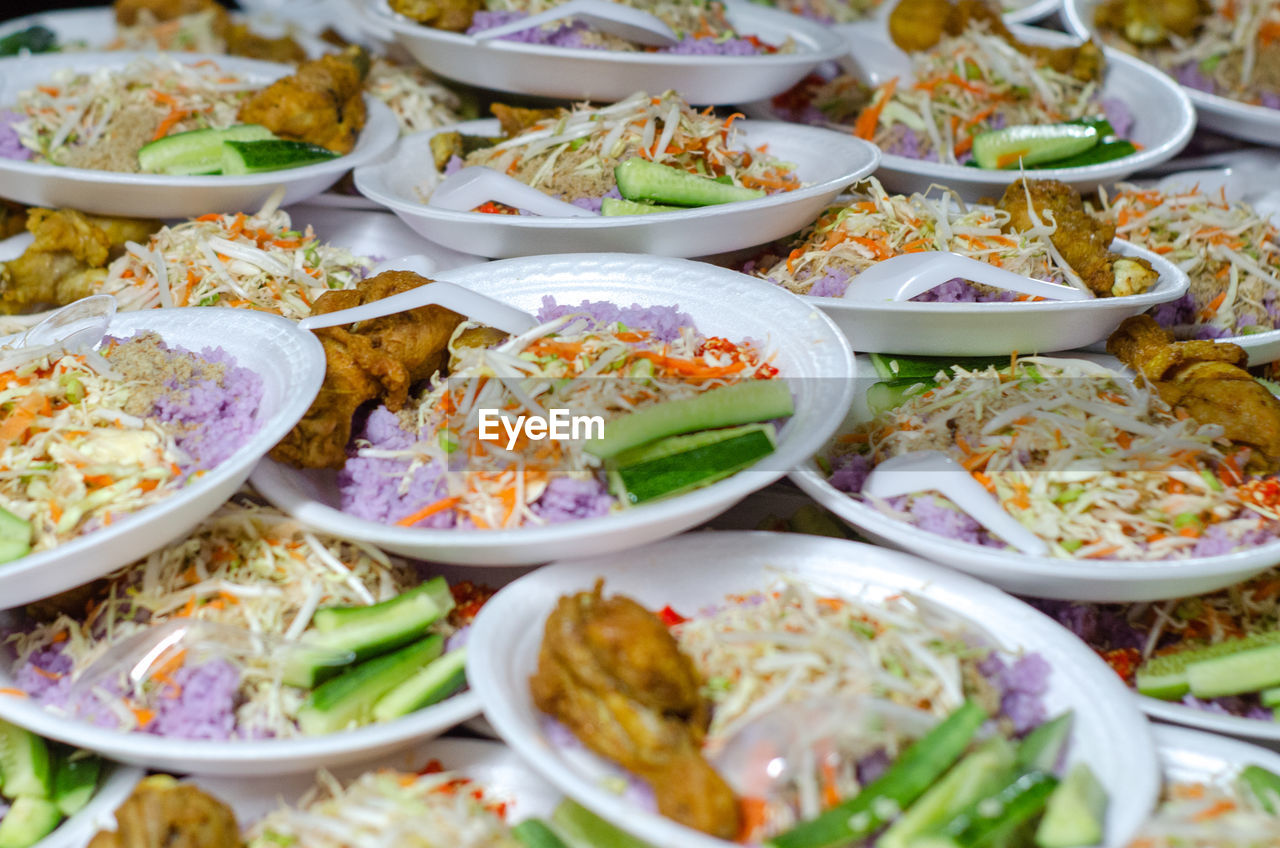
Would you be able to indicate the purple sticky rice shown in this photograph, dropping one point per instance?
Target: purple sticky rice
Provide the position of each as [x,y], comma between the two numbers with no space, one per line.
[10,145]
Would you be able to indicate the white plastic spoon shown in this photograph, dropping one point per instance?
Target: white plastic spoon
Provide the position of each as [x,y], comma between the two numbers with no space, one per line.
[614,18]
[931,470]
[464,301]
[905,276]
[474,186]
[76,327]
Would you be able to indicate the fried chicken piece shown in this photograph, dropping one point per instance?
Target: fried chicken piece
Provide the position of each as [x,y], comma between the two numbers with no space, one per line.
[612,672]
[13,219]
[1083,240]
[451,15]
[162,813]
[68,258]
[323,103]
[516,119]
[1147,23]
[916,25]
[373,360]
[1208,381]
[242,41]
[477,336]
[128,11]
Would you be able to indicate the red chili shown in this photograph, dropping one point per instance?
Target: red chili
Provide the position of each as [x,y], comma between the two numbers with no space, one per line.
[670,617]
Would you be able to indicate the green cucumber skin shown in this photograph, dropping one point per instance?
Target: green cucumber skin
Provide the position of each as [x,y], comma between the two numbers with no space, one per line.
[976,776]
[639,179]
[25,765]
[1270,697]
[701,465]
[1265,786]
[257,157]
[612,207]
[1107,151]
[1165,676]
[925,368]
[534,833]
[195,152]
[15,536]
[1039,143]
[902,783]
[328,619]
[583,827]
[1043,747]
[75,779]
[1236,673]
[28,821]
[747,402]
[350,697]
[436,681]
[1023,797]
[1075,812]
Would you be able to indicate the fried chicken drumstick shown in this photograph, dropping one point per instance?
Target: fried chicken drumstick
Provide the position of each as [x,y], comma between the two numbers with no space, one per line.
[323,103]
[1205,379]
[162,813]
[611,671]
[373,360]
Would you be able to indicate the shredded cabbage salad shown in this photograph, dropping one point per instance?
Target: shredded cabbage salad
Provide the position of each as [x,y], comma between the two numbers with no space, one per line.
[699,18]
[388,809]
[1095,465]
[1231,253]
[876,225]
[569,364]
[965,85]
[1217,813]
[195,33]
[73,459]
[246,566]
[574,154]
[73,108]
[251,261]
[417,99]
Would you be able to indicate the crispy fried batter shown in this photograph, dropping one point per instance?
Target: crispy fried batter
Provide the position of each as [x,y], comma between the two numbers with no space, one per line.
[323,103]
[614,674]
[1207,381]
[1147,23]
[127,11]
[13,219]
[68,257]
[243,41]
[162,813]
[1083,240]
[478,336]
[515,119]
[374,360]
[451,15]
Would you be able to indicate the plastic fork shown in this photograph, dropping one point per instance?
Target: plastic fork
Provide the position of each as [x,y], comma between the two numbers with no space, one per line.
[931,470]
[471,187]
[78,326]
[905,276]
[614,18]
[464,301]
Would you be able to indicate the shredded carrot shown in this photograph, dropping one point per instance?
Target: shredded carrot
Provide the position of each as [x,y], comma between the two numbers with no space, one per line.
[865,127]
[1215,810]
[23,415]
[427,511]
[17,693]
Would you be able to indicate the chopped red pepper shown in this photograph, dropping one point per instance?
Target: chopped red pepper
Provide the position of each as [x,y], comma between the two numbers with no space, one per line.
[494,208]
[1123,661]
[670,617]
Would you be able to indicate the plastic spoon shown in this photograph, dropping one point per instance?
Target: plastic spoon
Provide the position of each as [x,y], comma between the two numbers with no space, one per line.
[903,277]
[464,301]
[932,470]
[76,327]
[614,18]
[474,186]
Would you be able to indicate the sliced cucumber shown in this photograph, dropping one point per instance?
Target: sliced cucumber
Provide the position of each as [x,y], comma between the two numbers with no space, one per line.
[1270,697]
[612,206]
[746,402]
[430,685]
[639,179]
[901,784]
[1076,812]
[583,827]
[886,395]
[75,779]
[1107,151]
[24,763]
[1165,677]
[1028,145]
[1044,746]
[15,536]
[328,619]
[1265,785]
[1235,673]
[534,833]
[255,157]
[350,697]
[196,151]
[679,464]
[925,368]
[28,821]
[985,822]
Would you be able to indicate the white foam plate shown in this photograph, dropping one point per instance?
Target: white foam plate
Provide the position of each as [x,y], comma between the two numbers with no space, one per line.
[826,162]
[1163,121]
[291,365]
[1266,732]
[1193,756]
[1036,10]
[114,785]
[1109,732]
[1100,581]
[982,329]
[495,767]
[608,75]
[156,195]
[1220,114]
[812,355]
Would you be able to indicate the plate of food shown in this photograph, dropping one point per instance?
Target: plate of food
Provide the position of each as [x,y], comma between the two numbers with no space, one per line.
[249,646]
[1220,54]
[1218,793]
[1132,489]
[431,480]
[53,793]
[127,446]
[1029,98]
[724,52]
[650,175]
[1039,229]
[775,694]
[174,135]
[1152,647]
[283,259]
